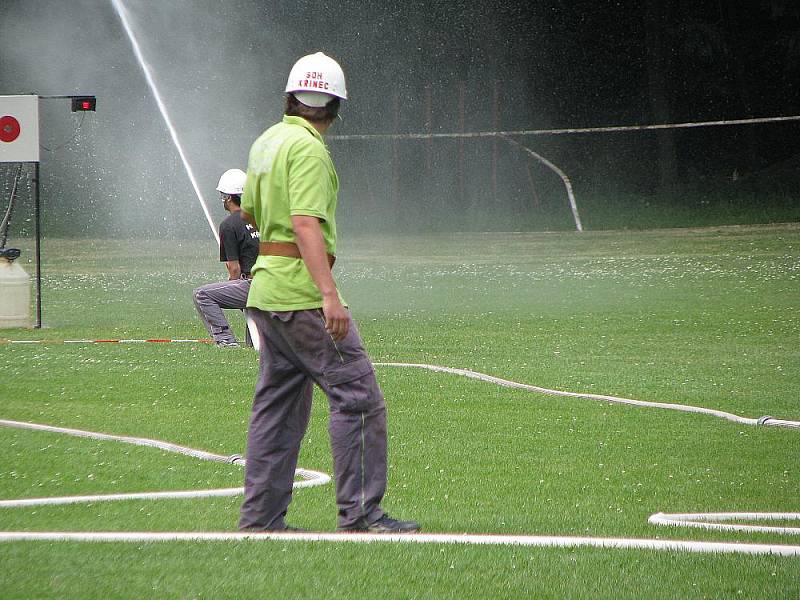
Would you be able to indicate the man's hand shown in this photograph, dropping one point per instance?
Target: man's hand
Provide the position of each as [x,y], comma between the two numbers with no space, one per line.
[234,269]
[337,319]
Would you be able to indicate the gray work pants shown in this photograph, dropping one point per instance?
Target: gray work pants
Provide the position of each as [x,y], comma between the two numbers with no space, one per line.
[297,352]
[212,298]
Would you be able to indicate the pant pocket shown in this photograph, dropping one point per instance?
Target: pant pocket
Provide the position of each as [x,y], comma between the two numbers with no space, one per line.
[352,387]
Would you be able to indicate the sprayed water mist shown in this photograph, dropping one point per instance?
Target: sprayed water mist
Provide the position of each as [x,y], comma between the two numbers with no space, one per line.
[123,15]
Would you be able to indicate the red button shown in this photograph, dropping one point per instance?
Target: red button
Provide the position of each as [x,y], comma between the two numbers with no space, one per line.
[9,128]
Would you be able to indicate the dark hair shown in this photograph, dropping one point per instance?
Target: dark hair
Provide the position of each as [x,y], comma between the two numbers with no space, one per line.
[323,114]
[235,198]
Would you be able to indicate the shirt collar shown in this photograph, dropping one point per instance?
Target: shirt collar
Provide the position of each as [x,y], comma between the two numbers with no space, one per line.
[291,120]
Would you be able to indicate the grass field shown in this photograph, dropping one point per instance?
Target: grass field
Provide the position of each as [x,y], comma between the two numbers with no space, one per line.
[707,317]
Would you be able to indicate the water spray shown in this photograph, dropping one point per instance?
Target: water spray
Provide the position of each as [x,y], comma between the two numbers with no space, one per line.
[123,15]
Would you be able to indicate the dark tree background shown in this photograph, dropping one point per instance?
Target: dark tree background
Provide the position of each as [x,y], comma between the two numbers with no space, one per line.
[414,66]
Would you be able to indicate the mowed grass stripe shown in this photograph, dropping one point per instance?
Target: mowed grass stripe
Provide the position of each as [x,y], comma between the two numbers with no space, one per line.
[706,317]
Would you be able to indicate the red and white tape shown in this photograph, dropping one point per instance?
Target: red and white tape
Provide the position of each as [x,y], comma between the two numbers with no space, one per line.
[109,341]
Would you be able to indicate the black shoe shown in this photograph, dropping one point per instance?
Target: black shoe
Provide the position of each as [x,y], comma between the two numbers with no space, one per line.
[228,344]
[385,524]
[287,529]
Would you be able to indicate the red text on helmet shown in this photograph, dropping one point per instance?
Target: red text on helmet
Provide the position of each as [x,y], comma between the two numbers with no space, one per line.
[307,84]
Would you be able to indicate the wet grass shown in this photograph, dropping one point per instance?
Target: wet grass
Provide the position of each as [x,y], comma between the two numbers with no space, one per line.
[702,317]
[299,570]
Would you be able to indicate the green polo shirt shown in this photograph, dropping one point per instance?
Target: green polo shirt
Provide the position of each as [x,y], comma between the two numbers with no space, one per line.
[289,172]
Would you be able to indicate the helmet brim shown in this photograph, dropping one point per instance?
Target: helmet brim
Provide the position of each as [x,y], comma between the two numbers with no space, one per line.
[313,99]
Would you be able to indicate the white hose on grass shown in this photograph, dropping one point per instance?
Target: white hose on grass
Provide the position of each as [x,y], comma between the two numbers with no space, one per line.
[309,478]
[408,538]
[166,446]
[765,420]
[25,502]
[703,520]
[710,521]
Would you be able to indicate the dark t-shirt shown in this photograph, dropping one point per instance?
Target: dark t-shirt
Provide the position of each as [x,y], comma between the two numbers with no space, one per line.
[238,240]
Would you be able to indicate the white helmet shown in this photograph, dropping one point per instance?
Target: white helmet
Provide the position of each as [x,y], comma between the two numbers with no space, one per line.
[232,182]
[316,79]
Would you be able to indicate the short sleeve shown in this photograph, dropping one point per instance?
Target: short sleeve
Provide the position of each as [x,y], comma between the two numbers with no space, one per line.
[228,243]
[310,187]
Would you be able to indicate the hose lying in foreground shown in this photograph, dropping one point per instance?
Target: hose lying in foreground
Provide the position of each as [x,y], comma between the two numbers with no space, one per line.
[313,478]
[309,478]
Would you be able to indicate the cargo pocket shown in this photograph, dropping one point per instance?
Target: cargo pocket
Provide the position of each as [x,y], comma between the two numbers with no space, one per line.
[352,386]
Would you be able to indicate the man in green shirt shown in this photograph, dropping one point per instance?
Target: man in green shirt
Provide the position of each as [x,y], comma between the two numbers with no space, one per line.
[305,332]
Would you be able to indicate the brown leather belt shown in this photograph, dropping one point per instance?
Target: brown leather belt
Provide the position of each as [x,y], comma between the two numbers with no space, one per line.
[287,249]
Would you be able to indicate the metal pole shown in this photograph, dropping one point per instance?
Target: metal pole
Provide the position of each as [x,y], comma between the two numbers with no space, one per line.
[536,202]
[462,92]
[567,184]
[428,129]
[395,184]
[495,127]
[38,250]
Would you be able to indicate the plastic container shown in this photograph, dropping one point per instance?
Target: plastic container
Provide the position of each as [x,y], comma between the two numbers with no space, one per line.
[15,295]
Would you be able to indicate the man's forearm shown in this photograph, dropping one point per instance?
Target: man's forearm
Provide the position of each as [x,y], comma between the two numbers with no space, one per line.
[308,236]
[309,239]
